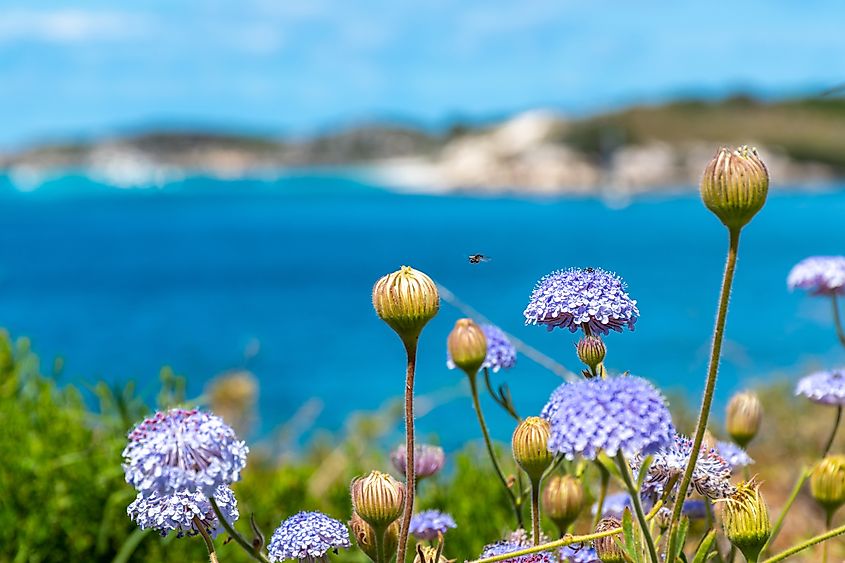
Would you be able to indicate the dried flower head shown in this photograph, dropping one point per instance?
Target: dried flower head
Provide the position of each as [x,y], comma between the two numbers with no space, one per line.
[181,511]
[563,499]
[466,346]
[626,414]
[181,450]
[426,525]
[307,536]
[378,498]
[710,478]
[818,275]
[406,300]
[590,299]
[428,460]
[745,518]
[530,446]
[827,482]
[824,387]
[365,536]
[744,414]
[735,185]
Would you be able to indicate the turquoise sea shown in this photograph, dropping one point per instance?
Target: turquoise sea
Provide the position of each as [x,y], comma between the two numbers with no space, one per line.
[275,277]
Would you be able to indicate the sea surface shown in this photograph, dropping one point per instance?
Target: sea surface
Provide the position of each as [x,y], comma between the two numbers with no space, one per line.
[275,277]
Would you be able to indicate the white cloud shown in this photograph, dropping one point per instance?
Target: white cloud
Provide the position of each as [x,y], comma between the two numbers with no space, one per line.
[70,26]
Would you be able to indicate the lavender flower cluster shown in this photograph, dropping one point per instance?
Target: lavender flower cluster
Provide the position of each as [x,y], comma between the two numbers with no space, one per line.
[308,536]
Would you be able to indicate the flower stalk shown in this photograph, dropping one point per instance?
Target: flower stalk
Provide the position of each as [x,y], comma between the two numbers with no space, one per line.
[625,470]
[410,483]
[209,544]
[239,539]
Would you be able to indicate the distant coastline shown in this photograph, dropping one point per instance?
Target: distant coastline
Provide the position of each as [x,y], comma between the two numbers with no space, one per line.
[657,149]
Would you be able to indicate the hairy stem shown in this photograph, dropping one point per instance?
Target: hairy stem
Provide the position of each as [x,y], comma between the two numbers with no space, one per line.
[410,483]
[833,432]
[473,385]
[806,545]
[239,539]
[379,541]
[563,542]
[840,332]
[710,385]
[605,481]
[625,470]
[209,545]
[535,510]
[827,523]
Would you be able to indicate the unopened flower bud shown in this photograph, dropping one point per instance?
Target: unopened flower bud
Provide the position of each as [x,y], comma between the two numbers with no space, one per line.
[743,417]
[365,536]
[467,346]
[735,185]
[591,351]
[406,300]
[827,482]
[745,519]
[563,499]
[607,547]
[530,445]
[428,460]
[663,519]
[378,498]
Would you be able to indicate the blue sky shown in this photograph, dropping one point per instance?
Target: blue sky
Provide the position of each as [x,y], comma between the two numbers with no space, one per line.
[282,66]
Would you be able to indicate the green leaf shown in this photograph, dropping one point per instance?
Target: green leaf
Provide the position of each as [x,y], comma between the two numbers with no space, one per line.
[704,548]
[644,467]
[680,536]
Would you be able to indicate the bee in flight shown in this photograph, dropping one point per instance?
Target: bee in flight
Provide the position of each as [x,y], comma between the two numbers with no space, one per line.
[478,258]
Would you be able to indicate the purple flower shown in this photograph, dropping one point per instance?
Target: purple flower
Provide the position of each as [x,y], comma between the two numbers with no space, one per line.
[426,525]
[614,505]
[503,547]
[736,457]
[182,450]
[824,387]
[307,536]
[819,275]
[589,298]
[579,553]
[695,509]
[166,513]
[710,478]
[500,351]
[626,414]
[428,460]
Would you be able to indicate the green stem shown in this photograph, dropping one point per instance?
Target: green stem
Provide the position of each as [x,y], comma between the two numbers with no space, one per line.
[840,332]
[625,470]
[710,385]
[474,390]
[379,538]
[827,523]
[605,481]
[833,432]
[410,483]
[806,544]
[563,542]
[802,478]
[535,510]
[239,539]
[209,544]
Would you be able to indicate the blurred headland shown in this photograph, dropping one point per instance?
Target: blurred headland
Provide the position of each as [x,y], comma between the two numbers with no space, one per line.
[641,149]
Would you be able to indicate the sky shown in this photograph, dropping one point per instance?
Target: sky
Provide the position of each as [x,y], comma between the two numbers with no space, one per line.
[282,67]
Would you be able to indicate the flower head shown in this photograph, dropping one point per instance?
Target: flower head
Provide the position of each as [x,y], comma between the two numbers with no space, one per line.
[428,460]
[614,505]
[735,185]
[181,511]
[710,478]
[406,300]
[819,275]
[626,414]
[426,525]
[466,346]
[607,547]
[736,457]
[824,387]
[827,482]
[378,498]
[744,414]
[307,536]
[591,299]
[503,547]
[500,351]
[745,519]
[563,499]
[530,446]
[181,450]
[579,554]
[695,508]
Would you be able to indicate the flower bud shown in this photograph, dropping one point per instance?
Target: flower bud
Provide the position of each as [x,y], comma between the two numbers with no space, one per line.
[530,445]
[745,518]
[428,460]
[467,346]
[429,554]
[743,417]
[406,300]
[365,536]
[735,185]
[563,499]
[607,547]
[591,351]
[378,498]
[827,482]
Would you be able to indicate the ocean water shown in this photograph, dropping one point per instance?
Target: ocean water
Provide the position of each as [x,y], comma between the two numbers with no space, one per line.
[275,277]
